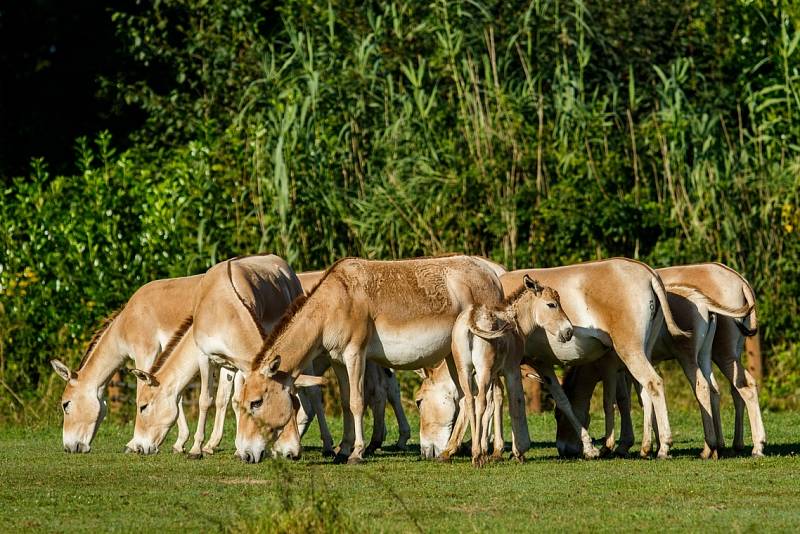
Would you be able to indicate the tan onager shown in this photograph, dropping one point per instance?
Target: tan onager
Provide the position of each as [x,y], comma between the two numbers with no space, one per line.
[380,386]
[723,344]
[140,330]
[615,306]
[397,313]
[693,311]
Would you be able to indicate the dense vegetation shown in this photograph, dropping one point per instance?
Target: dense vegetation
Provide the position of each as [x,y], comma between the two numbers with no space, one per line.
[536,133]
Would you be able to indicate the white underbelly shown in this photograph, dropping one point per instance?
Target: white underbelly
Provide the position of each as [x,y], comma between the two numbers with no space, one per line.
[411,348]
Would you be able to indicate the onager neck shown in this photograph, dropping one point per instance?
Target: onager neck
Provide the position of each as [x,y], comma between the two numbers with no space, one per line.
[181,366]
[297,342]
[103,359]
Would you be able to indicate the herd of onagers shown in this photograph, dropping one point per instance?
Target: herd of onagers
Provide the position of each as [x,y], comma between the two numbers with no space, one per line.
[262,336]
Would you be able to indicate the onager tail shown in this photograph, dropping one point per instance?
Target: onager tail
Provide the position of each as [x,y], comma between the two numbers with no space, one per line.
[672,326]
[750,297]
[498,325]
[697,296]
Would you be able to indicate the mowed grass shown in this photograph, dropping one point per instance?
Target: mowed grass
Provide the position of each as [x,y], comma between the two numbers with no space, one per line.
[44,488]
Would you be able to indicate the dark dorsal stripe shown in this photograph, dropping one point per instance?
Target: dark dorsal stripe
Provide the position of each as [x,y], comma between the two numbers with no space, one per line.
[97,334]
[171,344]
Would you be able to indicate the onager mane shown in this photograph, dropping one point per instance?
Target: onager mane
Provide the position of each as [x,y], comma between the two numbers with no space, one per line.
[104,324]
[171,344]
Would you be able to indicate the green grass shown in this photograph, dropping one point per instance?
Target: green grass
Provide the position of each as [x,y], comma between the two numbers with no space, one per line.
[45,489]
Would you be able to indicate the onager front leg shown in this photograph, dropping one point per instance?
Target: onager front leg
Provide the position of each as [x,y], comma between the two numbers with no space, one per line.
[393,395]
[520,438]
[354,359]
[224,390]
[562,401]
[206,382]
[183,428]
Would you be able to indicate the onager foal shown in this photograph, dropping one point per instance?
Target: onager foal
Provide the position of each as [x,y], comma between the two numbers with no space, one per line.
[507,329]
[139,331]
[397,313]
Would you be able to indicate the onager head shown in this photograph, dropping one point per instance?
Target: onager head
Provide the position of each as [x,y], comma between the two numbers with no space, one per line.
[84,409]
[156,412]
[438,403]
[532,306]
[268,405]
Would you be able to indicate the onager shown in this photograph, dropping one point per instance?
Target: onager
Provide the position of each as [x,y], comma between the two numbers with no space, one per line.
[615,306]
[238,304]
[380,386]
[729,288]
[504,329]
[159,395]
[139,331]
[398,313]
[693,311]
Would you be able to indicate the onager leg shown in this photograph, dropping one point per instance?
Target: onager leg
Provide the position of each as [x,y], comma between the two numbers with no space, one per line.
[183,428]
[642,370]
[346,445]
[562,401]
[624,406]
[206,382]
[354,362]
[497,400]
[702,393]
[224,390]
[520,438]
[704,362]
[393,395]
[315,396]
[745,386]
[609,398]
[463,366]
[377,402]
[483,378]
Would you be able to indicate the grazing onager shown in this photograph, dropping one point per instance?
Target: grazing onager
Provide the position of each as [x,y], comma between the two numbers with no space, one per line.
[615,306]
[238,304]
[397,313]
[139,331]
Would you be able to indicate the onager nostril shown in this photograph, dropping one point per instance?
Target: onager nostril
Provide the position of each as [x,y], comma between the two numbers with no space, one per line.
[262,454]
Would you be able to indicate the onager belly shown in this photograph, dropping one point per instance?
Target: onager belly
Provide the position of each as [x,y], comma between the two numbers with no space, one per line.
[422,344]
[586,345]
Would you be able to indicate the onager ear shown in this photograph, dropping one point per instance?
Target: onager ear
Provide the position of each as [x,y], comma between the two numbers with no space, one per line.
[145,377]
[304,381]
[62,370]
[272,367]
[423,373]
[532,284]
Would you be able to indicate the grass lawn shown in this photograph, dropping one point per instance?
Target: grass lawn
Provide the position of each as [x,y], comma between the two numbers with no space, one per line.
[45,489]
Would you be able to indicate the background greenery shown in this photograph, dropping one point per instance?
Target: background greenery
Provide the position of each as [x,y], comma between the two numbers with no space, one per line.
[536,133]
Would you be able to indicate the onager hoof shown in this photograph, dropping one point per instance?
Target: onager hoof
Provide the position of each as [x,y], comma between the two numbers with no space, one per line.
[328,453]
[371,448]
[340,458]
[757,454]
[621,453]
[195,456]
[519,458]
[591,452]
[207,450]
[356,460]
[497,456]
[444,458]
[479,460]
[178,450]
[663,456]
[606,452]
[645,454]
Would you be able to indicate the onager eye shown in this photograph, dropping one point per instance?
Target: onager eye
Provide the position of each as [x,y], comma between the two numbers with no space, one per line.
[255,405]
[552,305]
[143,407]
[64,406]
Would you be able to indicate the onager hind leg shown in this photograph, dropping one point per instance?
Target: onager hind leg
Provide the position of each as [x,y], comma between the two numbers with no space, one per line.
[497,402]
[354,359]
[520,438]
